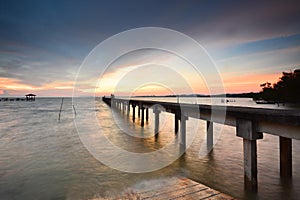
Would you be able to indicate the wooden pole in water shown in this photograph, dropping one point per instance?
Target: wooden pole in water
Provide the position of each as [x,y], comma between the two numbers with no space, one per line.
[62,101]
[74,110]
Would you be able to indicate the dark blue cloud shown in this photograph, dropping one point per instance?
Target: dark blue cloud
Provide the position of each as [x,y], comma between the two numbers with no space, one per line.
[52,35]
[260,46]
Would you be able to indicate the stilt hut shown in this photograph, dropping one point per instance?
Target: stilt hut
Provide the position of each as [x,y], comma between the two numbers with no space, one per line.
[30,97]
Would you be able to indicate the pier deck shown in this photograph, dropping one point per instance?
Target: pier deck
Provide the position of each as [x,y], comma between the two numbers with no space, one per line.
[183,188]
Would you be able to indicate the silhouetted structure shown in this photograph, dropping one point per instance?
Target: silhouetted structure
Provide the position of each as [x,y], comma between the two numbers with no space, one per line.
[30,97]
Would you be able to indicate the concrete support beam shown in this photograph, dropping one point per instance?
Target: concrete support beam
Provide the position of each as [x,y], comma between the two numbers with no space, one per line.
[209,135]
[285,145]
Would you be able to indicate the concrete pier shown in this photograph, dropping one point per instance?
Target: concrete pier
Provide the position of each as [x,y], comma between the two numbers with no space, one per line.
[250,123]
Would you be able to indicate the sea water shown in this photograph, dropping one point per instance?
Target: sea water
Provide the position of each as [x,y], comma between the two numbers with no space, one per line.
[42,157]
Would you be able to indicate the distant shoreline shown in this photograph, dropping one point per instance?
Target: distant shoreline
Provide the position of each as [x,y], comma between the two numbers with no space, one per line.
[240,95]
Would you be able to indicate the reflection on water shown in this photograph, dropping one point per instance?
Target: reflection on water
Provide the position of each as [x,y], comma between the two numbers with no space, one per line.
[43,158]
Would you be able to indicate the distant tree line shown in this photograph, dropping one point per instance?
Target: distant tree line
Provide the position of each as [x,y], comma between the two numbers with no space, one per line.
[287,89]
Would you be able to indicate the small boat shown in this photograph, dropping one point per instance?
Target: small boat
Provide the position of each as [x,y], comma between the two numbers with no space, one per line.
[264,102]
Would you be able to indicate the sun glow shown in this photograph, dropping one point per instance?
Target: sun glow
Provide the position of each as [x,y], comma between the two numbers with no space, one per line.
[17,88]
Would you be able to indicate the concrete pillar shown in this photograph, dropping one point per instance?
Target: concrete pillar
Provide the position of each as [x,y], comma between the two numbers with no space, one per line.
[156,121]
[112,103]
[209,135]
[183,131]
[250,165]
[247,130]
[139,110]
[142,119]
[128,108]
[133,112]
[176,121]
[285,145]
[147,114]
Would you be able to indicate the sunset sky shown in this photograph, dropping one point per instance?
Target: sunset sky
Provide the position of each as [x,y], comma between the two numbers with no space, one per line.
[43,43]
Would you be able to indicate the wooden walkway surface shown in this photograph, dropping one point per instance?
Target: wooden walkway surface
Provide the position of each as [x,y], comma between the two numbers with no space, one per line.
[177,188]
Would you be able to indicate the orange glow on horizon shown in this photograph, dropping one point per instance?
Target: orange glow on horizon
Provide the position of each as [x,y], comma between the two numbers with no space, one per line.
[248,83]
[232,84]
[10,86]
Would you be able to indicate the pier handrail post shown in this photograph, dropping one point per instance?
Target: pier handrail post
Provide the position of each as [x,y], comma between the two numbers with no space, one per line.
[247,129]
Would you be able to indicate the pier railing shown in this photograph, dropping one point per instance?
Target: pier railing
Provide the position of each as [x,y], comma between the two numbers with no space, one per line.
[250,123]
